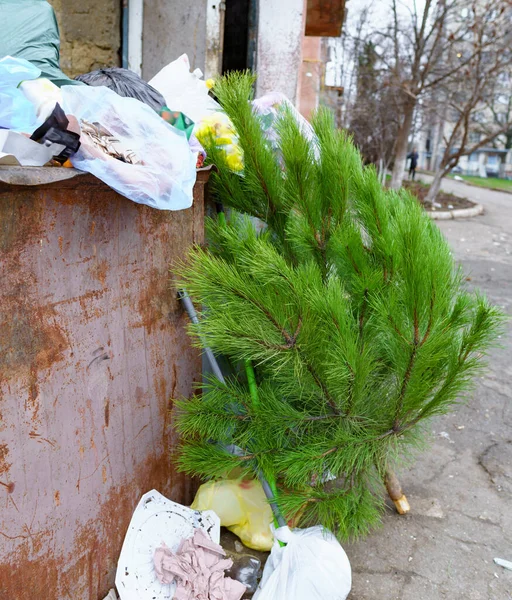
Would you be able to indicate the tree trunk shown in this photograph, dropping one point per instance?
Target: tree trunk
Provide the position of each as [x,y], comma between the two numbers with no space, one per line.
[435,186]
[401,145]
[381,169]
[395,493]
[508,143]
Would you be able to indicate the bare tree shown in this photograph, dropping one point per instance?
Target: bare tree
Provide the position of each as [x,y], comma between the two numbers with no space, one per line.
[354,37]
[419,51]
[370,104]
[374,122]
[470,97]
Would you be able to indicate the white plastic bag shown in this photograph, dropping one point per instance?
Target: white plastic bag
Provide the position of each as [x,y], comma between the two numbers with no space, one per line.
[43,94]
[18,150]
[312,566]
[163,172]
[16,112]
[184,91]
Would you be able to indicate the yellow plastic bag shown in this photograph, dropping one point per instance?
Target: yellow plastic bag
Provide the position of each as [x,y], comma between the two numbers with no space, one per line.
[242,508]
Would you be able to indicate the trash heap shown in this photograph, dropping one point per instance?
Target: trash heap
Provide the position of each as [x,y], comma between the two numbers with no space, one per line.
[137,137]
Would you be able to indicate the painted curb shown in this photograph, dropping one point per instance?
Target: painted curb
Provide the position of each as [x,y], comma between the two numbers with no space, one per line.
[460,213]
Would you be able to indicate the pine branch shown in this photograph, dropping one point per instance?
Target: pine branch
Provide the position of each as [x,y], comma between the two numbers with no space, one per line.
[349,306]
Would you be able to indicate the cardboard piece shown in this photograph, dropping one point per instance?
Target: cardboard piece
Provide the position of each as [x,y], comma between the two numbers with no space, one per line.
[19,150]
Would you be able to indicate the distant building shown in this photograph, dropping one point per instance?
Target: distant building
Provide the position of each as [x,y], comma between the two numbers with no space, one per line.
[491,160]
[487,161]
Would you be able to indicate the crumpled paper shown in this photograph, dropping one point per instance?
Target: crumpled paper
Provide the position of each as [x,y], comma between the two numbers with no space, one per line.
[198,570]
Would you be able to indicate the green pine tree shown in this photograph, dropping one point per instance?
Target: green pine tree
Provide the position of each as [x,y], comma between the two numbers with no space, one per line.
[350,308]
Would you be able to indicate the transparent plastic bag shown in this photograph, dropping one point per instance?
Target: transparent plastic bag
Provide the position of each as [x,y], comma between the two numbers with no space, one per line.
[16,111]
[155,165]
[242,507]
[311,566]
[247,570]
[269,106]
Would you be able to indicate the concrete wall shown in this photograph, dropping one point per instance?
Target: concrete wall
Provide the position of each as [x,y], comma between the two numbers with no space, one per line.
[171,28]
[280,27]
[90,33]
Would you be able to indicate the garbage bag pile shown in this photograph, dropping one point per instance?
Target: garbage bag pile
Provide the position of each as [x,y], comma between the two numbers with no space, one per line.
[143,139]
[132,141]
[136,137]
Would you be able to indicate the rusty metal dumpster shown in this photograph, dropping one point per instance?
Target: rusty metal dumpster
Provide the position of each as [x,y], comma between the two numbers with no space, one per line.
[92,348]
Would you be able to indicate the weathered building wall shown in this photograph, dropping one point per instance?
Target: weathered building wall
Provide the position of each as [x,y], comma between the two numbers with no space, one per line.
[92,350]
[172,28]
[280,27]
[90,33]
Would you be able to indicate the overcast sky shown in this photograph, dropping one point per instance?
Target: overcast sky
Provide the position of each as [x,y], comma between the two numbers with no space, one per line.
[381,9]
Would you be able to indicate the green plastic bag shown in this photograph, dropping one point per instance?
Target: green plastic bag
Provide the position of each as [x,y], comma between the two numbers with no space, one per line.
[30,31]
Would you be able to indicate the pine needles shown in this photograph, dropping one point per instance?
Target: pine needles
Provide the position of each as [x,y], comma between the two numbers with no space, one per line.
[348,304]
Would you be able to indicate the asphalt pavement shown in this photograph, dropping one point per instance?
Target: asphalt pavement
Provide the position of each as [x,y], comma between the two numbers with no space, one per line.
[460,488]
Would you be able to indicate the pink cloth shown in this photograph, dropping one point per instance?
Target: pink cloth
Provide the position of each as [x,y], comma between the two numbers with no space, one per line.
[198,569]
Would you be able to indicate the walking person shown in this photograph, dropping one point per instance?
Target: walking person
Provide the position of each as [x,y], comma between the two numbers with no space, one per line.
[413,156]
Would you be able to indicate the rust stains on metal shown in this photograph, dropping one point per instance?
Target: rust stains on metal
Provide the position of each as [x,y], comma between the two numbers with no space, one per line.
[106,412]
[20,221]
[4,465]
[38,568]
[8,486]
[92,350]
[30,337]
[157,301]
[99,271]
[174,381]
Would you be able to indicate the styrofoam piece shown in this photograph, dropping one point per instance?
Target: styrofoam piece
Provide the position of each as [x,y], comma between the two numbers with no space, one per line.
[155,520]
[111,595]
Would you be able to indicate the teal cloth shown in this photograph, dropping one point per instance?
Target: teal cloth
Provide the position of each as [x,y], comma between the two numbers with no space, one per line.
[30,31]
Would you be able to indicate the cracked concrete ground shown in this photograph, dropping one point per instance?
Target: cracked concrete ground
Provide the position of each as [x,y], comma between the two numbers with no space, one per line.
[460,490]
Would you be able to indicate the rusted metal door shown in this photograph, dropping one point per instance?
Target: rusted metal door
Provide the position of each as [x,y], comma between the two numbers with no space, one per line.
[92,348]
